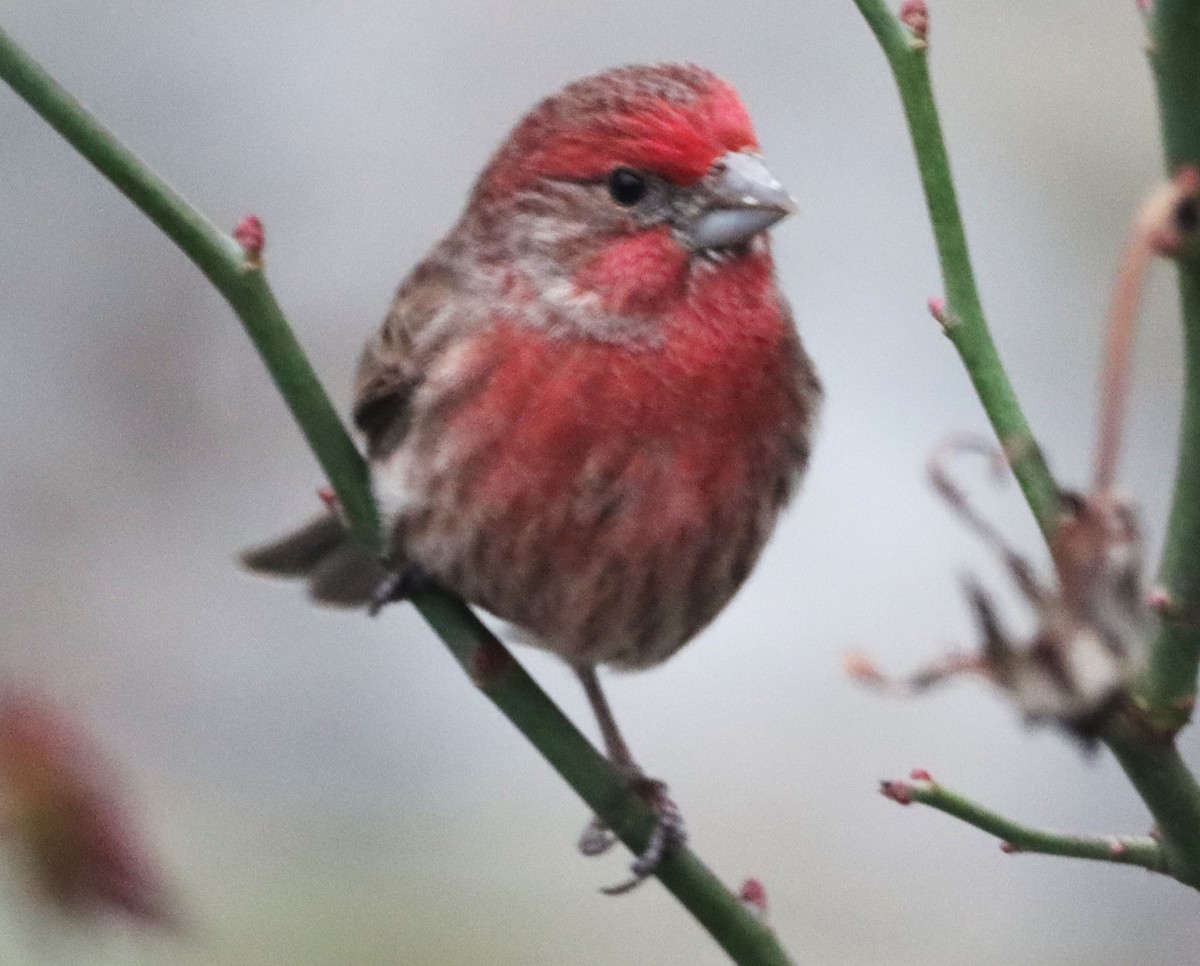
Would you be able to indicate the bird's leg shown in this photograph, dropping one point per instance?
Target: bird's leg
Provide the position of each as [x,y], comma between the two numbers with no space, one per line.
[614,743]
[668,832]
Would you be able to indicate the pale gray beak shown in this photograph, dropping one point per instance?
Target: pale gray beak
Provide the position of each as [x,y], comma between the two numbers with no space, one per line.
[738,198]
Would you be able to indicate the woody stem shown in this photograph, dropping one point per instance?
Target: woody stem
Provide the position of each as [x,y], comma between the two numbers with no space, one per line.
[1169,686]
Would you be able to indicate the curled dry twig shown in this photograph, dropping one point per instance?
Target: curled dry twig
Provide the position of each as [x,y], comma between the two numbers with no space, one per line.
[1093,622]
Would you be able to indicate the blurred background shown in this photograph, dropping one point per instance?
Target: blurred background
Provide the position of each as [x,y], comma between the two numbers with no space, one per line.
[324,788]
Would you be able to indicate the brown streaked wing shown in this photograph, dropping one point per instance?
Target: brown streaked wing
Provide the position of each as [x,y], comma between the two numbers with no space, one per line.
[394,360]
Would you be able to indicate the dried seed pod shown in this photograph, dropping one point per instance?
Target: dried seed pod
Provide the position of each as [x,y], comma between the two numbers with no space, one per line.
[1094,621]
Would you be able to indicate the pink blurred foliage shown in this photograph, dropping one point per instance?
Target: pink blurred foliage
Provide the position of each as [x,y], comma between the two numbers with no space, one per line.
[64,814]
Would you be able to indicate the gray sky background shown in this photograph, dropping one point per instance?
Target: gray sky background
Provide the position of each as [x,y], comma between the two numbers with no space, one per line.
[329,789]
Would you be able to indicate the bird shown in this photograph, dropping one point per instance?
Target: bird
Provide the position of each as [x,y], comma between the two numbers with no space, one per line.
[588,404]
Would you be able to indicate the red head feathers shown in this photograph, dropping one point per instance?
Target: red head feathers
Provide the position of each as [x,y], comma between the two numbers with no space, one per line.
[671,119]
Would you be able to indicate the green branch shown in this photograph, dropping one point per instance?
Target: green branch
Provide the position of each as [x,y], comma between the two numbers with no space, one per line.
[1141,740]
[963,318]
[1169,687]
[236,274]
[1169,789]
[1014,837]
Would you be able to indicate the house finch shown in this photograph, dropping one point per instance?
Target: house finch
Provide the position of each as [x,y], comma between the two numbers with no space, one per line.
[588,404]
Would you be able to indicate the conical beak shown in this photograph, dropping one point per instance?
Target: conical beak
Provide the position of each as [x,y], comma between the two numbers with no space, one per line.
[739,198]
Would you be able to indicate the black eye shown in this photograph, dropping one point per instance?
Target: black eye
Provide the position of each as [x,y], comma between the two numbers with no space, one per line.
[626,187]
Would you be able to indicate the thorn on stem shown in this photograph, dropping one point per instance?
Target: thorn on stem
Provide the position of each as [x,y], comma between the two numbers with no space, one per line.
[920,775]
[754,897]
[914,14]
[1118,849]
[328,496]
[941,313]
[488,662]
[898,792]
[1008,848]
[250,234]
[1159,601]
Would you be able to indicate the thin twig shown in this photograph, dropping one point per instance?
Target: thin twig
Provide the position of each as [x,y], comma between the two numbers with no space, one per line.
[236,273]
[907,56]
[1143,851]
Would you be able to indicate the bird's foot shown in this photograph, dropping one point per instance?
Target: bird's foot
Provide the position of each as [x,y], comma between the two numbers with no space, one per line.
[398,585]
[597,838]
[667,835]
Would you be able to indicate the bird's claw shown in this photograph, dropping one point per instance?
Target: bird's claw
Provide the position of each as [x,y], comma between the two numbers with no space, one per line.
[396,585]
[668,835]
[596,839]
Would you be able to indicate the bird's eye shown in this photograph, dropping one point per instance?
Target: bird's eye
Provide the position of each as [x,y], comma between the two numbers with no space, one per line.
[626,187]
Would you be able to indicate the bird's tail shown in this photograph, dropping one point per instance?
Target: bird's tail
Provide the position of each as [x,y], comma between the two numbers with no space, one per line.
[340,571]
